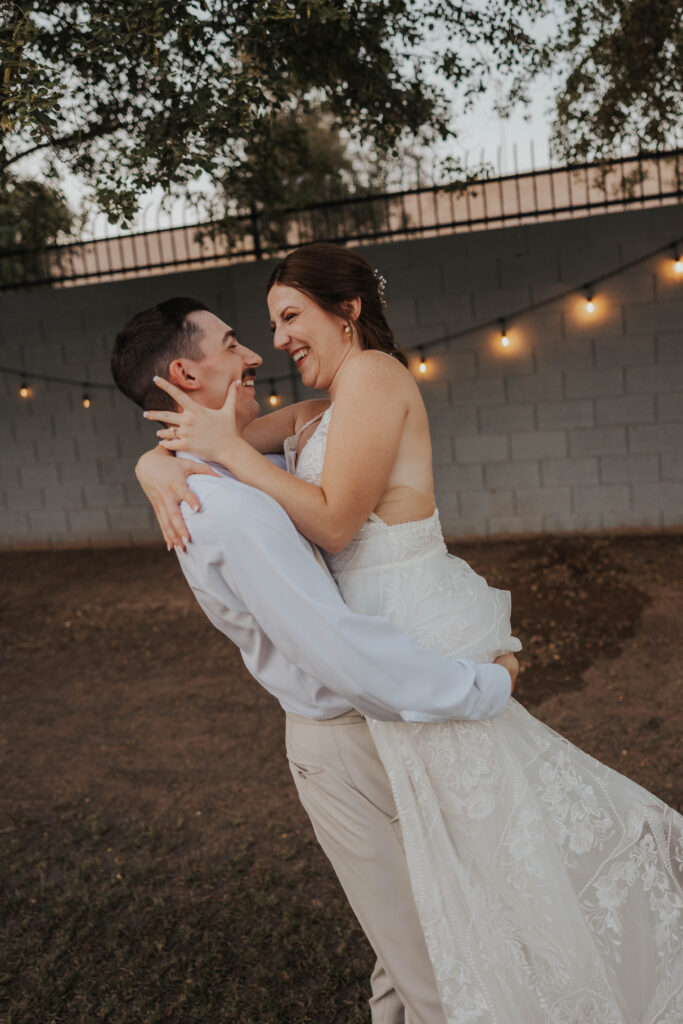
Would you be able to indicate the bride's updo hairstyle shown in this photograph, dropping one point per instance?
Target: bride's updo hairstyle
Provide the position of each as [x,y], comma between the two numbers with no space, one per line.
[332,276]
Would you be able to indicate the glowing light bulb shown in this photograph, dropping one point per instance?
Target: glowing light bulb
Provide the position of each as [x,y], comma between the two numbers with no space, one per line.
[85,401]
[678,265]
[24,390]
[590,305]
[273,397]
[504,340]
[423,362]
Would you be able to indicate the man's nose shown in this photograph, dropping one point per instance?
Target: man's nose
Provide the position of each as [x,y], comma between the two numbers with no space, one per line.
[252,358]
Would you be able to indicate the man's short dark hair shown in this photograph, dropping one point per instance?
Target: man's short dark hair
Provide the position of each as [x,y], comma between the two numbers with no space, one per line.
[149,343]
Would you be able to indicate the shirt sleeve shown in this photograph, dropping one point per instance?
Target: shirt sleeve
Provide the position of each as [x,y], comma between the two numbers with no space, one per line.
[375,665]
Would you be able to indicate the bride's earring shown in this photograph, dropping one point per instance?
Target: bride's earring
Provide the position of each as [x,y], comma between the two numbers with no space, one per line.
[347,332]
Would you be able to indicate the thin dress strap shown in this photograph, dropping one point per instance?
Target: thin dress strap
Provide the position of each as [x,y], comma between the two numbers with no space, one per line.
[301,429]
[291,443]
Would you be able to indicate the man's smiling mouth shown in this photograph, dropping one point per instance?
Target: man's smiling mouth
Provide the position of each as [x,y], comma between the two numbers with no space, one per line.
[249,379]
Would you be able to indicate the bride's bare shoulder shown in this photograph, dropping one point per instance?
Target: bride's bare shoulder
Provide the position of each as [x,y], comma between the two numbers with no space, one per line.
[372,367]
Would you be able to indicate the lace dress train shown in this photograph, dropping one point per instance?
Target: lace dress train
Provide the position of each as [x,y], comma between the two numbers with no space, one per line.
[549,887]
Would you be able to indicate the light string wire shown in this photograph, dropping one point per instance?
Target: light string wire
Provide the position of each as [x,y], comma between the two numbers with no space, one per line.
[496,321]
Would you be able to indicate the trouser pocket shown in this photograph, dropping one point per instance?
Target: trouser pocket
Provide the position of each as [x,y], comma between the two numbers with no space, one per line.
[303,770]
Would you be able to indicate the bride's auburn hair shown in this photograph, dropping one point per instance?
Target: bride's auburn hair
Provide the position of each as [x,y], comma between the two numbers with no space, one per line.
[332,276]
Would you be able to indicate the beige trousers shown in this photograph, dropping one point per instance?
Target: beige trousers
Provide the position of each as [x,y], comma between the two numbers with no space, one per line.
[346,793]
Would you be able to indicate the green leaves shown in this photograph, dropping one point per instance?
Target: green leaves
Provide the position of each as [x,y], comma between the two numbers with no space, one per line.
[621,88]
[128,93]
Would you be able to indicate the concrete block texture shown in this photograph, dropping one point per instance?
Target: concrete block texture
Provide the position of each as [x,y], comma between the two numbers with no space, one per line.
[543,501]
[481,448]
[649,316]
[479,390]
[573,522]
[507,418]
[87,523]
[579,413]
[665,377]
[505,526]
[625,350]
[666,496]
[564,354]
[512,474]
[670,407]
[487,503]
[600,441]
[563,472]
[670,346]
[625,409]
[535,387]
[628,468]
[576,426]
[540,444]
[600,498]
[450,480]
[665,437]
[672,466]
[592,383]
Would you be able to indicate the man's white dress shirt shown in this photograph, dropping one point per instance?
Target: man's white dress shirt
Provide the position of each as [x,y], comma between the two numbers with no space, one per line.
[259,582]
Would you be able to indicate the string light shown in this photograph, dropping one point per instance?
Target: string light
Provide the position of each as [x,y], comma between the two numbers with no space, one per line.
[26,392]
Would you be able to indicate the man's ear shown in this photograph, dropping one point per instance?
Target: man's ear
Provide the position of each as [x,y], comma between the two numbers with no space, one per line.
[181,373]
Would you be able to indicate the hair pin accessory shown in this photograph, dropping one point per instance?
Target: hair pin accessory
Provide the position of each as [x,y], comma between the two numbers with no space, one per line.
[381,285]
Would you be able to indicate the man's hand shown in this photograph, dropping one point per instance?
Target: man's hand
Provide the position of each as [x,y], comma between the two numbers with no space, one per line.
[509,662]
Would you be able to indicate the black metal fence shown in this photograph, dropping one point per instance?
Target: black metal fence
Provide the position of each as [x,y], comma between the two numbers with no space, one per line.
[361,218]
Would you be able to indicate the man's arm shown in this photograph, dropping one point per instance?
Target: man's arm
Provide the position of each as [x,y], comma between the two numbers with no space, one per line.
[253,550]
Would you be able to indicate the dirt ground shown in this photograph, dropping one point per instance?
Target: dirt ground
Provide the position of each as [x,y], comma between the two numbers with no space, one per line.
[156,862]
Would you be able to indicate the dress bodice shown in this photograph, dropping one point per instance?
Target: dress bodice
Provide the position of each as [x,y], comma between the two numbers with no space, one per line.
[403,572]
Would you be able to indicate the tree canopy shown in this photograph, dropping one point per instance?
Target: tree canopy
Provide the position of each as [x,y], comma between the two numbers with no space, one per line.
[130,94]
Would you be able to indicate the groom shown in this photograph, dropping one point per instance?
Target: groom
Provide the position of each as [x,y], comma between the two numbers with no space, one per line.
[263,585]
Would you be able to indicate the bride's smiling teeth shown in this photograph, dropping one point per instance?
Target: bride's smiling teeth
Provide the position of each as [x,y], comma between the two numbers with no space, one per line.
[300,354]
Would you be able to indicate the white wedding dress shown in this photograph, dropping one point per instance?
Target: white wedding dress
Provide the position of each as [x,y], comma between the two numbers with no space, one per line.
[548,886]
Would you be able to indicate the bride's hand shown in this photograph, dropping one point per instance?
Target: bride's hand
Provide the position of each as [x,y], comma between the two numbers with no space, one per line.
[208,433]
[509,662]
[164,481]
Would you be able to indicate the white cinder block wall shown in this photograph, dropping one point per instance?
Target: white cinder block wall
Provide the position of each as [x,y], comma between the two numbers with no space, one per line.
[578,425]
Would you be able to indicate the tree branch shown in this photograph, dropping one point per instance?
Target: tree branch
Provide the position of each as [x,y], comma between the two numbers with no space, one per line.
[100,131]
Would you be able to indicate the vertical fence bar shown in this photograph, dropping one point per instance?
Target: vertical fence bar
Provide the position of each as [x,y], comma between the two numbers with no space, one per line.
[532,157]
[515,165]
[551,179]
[255,231]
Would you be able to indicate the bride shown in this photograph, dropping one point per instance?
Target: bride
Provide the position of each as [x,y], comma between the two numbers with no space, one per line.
[549,887]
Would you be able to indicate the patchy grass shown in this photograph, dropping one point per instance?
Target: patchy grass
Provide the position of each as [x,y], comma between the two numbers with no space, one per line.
[156,863]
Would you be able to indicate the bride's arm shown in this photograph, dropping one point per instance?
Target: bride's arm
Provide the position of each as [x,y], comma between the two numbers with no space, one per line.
[164,479]
[369,414]
[267,433]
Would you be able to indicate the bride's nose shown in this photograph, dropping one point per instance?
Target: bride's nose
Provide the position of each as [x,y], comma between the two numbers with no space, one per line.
[280,336]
